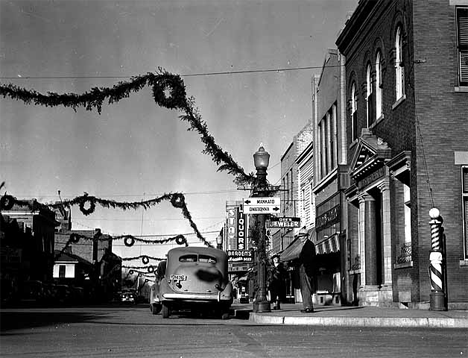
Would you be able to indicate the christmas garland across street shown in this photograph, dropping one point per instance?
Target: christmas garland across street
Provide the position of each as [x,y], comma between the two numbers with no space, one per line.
[168,92]
[177,200]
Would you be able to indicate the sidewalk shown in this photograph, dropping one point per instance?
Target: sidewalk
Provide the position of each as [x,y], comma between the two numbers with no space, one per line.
[352,316]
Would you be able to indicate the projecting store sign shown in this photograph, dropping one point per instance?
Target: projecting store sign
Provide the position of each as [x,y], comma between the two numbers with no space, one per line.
[239,256]
[261,205]
[280,222]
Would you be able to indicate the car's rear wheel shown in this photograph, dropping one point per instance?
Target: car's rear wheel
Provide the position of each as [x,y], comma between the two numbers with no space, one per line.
[166,312]
[155,308]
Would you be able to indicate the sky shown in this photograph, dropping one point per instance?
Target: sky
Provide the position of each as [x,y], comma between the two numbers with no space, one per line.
[135,150]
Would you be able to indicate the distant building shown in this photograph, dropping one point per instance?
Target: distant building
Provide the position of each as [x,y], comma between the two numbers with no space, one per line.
[75,248]
[291,193]
[331,179]
[36,254]
[297,201]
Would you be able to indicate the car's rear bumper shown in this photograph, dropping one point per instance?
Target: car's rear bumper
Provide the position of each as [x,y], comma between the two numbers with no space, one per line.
[196,297]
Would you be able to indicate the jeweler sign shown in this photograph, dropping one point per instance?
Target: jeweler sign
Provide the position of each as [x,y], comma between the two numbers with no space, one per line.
[281,222]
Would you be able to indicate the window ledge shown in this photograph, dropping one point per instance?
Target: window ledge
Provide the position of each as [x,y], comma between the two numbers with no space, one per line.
[353,143]
[461,89]
[403,265]
[397,103]
[464,263]
[377,121]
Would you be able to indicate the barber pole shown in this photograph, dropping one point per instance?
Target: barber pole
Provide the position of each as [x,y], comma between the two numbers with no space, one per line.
[437,267]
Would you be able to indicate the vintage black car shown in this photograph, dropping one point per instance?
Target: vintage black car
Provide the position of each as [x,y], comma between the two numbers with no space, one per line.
[194,279]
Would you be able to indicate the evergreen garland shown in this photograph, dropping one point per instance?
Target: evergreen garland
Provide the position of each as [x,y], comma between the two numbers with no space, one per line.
[161,82]
[177,200]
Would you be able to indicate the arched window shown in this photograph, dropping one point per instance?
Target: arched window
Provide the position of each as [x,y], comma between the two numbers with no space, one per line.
[369,96]
[354,129]
[378,85]
[399,69]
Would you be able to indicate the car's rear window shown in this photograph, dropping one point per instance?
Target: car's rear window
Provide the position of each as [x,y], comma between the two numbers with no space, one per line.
[188,258]
[199,258]
[206,258]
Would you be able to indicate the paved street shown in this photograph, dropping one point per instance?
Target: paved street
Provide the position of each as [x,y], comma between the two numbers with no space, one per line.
[132,331]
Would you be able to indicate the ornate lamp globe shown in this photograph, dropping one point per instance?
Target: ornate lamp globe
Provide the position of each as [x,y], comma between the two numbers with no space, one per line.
[261,158]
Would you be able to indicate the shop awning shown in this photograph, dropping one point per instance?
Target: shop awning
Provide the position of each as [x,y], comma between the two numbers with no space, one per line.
[329,245]
[292,251]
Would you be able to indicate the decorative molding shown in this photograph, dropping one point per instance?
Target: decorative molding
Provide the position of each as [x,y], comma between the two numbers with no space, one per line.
[363,197]
[383,186]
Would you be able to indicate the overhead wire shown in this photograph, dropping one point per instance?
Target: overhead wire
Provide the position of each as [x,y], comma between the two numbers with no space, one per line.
[201,74]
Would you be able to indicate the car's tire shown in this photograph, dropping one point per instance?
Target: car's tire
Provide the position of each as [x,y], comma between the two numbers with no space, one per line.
[166,312]
[155,308]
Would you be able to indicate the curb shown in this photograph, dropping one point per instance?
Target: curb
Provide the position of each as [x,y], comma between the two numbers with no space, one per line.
[361,321]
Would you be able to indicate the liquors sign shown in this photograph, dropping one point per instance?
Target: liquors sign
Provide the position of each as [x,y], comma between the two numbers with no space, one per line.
[236,227]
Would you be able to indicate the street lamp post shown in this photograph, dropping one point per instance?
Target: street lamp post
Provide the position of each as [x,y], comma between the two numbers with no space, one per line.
[261,161]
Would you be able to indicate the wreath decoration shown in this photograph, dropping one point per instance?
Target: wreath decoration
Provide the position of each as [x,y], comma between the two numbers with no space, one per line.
[90,209]
[145,259]
[177,92]
[150,269]
[129,241]
[74,238]
[180,240]
[7,202]
[177,201]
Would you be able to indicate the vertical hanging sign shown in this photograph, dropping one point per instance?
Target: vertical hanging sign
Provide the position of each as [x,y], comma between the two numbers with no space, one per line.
[241,229]
[231,218]
[236,226]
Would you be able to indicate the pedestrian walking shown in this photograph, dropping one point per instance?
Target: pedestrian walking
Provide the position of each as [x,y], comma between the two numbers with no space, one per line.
[276,282]
[306,270]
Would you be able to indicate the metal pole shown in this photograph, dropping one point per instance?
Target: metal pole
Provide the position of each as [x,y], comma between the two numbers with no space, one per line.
[437,266]
[261,304]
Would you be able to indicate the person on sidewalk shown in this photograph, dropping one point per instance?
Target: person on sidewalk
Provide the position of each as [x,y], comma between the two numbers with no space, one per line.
[306,270]
[276,283]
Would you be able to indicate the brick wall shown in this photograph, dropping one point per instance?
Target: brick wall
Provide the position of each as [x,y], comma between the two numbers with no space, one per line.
[431,123]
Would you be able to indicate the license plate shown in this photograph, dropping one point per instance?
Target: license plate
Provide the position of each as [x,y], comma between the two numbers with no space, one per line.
[179,277]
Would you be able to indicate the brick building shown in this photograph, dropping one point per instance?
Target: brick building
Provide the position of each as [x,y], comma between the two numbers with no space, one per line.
[407,130]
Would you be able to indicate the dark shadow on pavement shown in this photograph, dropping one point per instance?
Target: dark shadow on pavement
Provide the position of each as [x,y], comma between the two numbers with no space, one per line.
[27,319]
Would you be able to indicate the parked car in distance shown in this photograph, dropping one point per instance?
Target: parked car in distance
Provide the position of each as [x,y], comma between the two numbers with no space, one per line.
[128,296]
[193,279]
[32,291]
[63,294]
